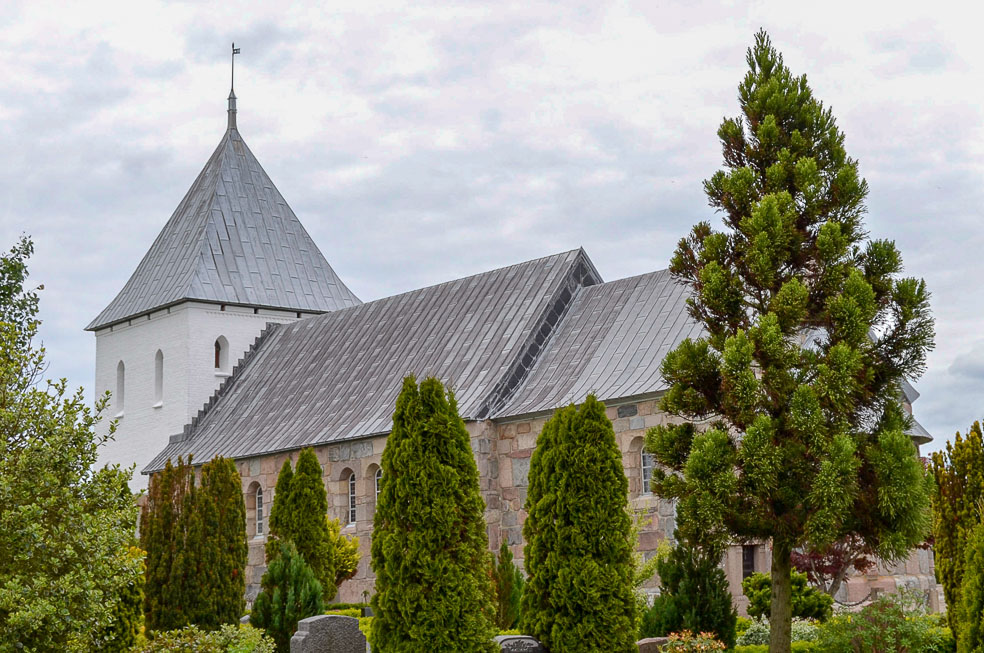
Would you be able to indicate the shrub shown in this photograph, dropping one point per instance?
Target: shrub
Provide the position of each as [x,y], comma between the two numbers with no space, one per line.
[687,642]
[742,624]
[887,625]
[694,595]
[803,630]
[970,610]
[808,602]
[429,542]
[579,593]
[289,592]
[345,612]
[229,639]
[798,647]
[508,589]
[121,635]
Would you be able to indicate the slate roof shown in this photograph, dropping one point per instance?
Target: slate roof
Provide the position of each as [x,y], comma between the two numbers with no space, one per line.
[336,376]
[611,343]
[232,240]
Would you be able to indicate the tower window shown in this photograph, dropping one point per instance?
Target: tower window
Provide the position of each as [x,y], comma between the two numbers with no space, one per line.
[647,472]
[351,492]
[218,355]
[221,355]
[120,387]
[159,377]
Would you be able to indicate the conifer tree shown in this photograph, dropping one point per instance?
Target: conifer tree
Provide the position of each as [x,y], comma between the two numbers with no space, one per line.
[959,496]
[694,595]
[289,592]
[970,610]
[161,536]
[225,550]
[186,583]
[810,330]
[579,591]
[508,589]
[429,544]
[277,522]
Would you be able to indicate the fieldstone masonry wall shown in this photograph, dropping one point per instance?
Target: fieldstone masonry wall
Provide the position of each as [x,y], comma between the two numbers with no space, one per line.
[502,452]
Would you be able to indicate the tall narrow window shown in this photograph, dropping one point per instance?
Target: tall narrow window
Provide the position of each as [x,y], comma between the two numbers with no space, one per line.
[221,355]
[259,511]
[120,387]
[351,510]
[647,472]
[747,560]
[159,378]
[379,477]
[218,355]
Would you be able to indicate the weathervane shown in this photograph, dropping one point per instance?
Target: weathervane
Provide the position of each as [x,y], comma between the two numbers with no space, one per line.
[235,51]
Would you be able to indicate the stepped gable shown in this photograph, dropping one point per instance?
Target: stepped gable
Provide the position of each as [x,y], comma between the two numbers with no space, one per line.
[611,343]
[232,240]
[336,376]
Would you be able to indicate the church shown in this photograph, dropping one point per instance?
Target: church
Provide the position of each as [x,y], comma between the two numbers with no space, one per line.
[235,337]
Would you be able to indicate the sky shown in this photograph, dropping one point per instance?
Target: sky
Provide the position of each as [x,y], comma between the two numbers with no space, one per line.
[421,142]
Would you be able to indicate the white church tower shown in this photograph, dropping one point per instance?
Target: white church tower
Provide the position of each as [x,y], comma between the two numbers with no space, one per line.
[231,258]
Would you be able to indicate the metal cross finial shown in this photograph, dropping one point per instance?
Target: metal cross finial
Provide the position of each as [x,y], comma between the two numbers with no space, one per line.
[235,51]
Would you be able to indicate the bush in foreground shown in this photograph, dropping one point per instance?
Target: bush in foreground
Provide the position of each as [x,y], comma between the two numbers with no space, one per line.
[228,639]
[808,602]
[891,623]
[289,592]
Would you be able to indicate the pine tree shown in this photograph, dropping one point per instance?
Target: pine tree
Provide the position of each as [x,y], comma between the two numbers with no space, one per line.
[959,475]
[694,595]
[429,544]
[970,610]
[162,538]
[289,592]
[810,331]
[579,592]
[224,551]
[508,589]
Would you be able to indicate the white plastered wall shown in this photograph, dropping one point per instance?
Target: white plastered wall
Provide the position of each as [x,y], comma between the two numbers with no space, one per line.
[186,336]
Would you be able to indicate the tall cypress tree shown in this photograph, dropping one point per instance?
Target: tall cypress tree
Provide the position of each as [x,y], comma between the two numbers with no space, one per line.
[508,589]
[289,592]
[579,593]
[810,330]
[278,522]
[429,544]
[959,474]
[187,582]
[225,550]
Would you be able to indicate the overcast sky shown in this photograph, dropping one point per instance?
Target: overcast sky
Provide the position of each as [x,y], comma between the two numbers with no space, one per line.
[420,142]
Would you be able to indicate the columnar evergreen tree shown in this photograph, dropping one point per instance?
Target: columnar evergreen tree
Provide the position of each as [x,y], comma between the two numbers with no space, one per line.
[225,550]
[65,525]
[299,515]
[810,331]
[694,595]
[162,538]
[508,589]
[289,592]
[970,609]
[578,556]
[429,544]
[957,501]
[186,583]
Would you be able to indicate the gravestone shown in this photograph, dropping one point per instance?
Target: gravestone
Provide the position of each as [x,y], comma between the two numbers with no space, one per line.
[244,619]
[518,644]
[328,633]
[652,644]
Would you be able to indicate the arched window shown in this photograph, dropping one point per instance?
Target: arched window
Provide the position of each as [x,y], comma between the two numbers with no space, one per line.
[379,477]
[120,387]
[259,511]
[159,378]
[351,492]
[647,472]
[221,352]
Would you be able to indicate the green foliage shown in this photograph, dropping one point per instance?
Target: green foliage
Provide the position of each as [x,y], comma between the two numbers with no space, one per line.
[808,602]
[970,610]
[508,589]
[803,630]
[429,545]
[810,332]
[889,624]
[195,538]
[688,642]
[694,595]
[228,639]
[300,514]
[289,592]
[578,555]
[959,475]
[797,647]
[121,635]
[65,527]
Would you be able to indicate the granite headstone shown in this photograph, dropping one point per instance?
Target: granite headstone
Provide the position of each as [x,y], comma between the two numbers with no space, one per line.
[328,633]
[518,644]
[652,644]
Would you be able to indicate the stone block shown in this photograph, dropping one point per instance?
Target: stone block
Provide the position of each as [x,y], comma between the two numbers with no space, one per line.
[526,440]
[521,472]
[648,645]
[510,518]
[254,467]
[349,451]
[628,411]
[523,427]
[653,420]
[620,424]
[636,423]
[646,408]
[328,633]
[518,644]
[513,536]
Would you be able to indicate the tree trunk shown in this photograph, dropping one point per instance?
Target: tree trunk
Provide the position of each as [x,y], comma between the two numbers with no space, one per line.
[781,613]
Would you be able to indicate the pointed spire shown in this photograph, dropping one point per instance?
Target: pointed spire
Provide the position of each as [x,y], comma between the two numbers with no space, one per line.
[232,89]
